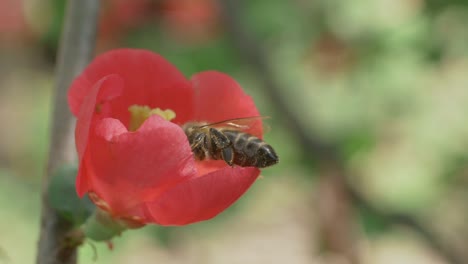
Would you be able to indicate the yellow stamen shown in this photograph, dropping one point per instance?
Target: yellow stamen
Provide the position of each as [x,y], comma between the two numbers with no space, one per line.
[139,113]
[98,108]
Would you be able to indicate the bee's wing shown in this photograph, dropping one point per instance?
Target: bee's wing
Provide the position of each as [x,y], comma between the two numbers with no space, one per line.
[242,123]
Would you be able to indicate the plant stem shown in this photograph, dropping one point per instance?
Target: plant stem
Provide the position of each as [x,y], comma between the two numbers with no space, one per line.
[76,49]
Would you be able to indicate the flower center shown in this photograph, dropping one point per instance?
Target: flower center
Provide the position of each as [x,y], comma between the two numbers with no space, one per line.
[139,113]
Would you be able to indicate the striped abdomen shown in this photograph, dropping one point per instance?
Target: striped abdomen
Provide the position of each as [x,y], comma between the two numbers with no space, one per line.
[250,151]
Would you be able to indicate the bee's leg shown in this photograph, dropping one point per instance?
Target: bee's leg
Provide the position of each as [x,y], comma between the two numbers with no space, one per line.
[228,156]
[199,153]
[198,145]
[197,140]
[220,140]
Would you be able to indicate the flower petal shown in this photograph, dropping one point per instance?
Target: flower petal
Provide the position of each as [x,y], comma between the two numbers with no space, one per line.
[101,93]
[148,80]
[95,106]
[127,169]
[219,97]
[201,198]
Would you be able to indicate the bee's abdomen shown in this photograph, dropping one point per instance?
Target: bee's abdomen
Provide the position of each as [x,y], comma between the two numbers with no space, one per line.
[250,151]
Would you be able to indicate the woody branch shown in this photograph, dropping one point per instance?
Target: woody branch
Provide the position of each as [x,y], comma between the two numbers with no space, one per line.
[76,49]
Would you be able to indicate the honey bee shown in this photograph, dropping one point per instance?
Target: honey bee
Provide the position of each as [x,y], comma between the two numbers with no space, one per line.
[225,140]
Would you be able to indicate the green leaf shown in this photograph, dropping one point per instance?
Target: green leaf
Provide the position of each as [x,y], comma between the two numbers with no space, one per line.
[373,224]
[63,197]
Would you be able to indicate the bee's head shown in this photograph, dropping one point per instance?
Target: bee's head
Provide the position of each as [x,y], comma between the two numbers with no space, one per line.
[191,127]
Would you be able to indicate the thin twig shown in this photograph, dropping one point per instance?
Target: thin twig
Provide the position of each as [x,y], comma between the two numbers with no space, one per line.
[312,145]
[252,52]
[336,216]
[76,49]
[394,218]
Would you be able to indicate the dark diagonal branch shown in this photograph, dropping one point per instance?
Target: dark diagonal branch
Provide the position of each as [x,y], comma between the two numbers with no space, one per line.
[325,152]
[253,55]
[76,49]
[393,218]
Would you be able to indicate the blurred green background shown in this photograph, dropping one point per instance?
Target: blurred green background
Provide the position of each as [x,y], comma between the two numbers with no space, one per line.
[384,81]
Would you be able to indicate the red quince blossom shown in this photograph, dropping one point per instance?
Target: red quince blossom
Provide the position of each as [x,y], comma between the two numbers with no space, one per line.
[13,24]
[149,174]
[119,16]
[191,20]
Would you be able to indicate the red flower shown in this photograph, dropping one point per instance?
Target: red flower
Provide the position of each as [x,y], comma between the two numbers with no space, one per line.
[191,20]
[148,174]
[13,24]
[118,16]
